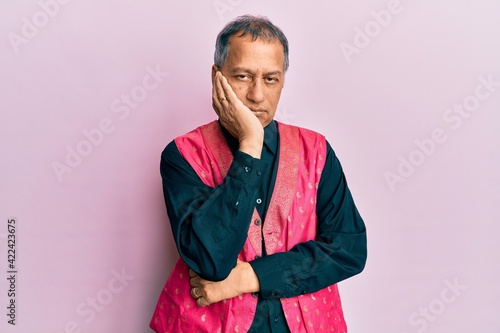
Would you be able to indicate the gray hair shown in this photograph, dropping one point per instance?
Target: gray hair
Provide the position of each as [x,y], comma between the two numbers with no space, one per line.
[259,27]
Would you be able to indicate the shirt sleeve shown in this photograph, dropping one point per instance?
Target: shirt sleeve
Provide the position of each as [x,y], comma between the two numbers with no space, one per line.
[338,252]
[210,225]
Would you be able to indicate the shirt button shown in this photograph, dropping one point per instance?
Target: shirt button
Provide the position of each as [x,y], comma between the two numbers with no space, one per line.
[257,222]
[259,201]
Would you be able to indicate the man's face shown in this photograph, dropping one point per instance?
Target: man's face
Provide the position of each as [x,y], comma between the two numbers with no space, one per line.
[255,71]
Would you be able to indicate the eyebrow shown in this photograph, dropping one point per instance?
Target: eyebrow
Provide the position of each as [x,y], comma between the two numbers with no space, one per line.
[246,70]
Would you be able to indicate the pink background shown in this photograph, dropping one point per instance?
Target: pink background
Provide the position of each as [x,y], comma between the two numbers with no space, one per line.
[433,261]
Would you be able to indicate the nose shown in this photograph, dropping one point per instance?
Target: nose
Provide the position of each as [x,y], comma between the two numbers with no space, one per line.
[256,91]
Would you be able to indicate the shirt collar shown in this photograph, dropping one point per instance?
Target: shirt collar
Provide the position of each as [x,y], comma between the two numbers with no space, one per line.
[270,138]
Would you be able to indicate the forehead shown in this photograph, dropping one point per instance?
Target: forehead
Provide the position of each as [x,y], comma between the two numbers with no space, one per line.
[255,54]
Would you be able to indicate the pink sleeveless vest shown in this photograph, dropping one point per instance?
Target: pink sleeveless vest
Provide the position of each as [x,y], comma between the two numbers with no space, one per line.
[291,219]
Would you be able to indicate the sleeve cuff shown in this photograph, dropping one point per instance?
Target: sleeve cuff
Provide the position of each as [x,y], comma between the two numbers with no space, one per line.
[247,169]
[270,277]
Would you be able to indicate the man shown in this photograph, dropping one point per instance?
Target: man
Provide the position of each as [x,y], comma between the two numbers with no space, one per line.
[260,211]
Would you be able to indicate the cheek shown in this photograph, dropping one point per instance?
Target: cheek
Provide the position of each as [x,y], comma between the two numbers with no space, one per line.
[274,95]
[239,88]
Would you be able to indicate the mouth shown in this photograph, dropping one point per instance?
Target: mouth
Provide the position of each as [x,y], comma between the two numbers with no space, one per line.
[257,112]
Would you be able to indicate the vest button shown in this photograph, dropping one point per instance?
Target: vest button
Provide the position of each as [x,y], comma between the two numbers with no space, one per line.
[255,295]
[257,222]
[257,257]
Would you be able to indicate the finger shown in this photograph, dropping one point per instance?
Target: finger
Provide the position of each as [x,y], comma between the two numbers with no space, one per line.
[194,281]
[192,273]
[215,100]
[219,90]
[195,293]
[202,301]
[227,90]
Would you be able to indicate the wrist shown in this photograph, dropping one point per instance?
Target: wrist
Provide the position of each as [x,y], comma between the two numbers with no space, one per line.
[249,282]
[252,146]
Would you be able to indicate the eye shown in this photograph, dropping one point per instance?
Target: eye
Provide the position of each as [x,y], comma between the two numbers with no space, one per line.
[271,80]
[242,77]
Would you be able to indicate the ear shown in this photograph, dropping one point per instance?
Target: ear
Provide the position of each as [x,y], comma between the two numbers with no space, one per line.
[215,69]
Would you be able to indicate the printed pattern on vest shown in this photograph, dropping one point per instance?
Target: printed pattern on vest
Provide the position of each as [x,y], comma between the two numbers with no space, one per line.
[291,219]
